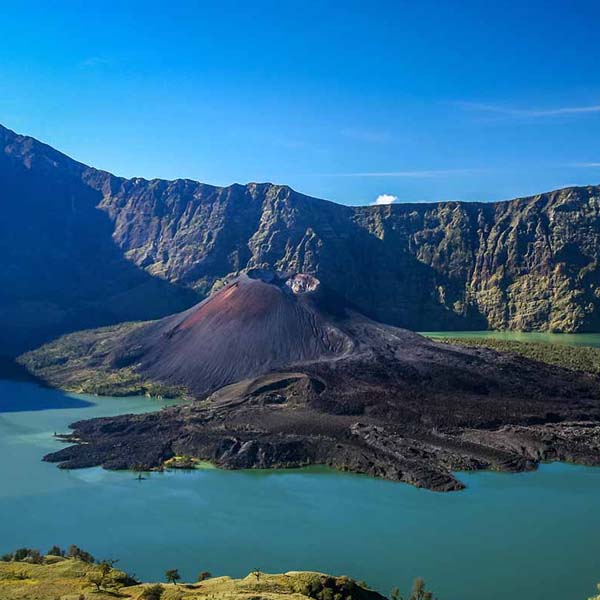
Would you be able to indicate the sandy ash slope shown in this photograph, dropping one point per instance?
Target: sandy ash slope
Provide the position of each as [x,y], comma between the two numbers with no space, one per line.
[255,324]
[286,374]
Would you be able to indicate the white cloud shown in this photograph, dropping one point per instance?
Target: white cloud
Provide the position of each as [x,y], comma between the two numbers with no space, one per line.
[383,199]
[592,165]
[528,112]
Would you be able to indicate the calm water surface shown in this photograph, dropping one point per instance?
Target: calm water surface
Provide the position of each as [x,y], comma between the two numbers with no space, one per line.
[533,536]
[572,339]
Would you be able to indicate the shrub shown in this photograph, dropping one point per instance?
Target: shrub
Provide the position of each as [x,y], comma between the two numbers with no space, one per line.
[419,592]
[35,557]
[21,554]
[172,576]
[55,551]
[78,553]
[104,577]
[154,592]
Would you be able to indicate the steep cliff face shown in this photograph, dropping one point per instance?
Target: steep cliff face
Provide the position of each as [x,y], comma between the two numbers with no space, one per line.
[81,248]
[525,264]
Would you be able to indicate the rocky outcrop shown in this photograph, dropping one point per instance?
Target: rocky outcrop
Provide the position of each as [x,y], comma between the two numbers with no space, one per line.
[81,248]
[396,429]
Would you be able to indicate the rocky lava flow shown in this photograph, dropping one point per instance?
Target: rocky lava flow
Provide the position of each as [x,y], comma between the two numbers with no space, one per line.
[287,375]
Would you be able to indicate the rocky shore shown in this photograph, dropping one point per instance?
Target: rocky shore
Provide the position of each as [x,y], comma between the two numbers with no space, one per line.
[325,415]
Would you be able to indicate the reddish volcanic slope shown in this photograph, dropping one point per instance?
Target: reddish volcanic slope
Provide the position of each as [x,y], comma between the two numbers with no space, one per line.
[255,324]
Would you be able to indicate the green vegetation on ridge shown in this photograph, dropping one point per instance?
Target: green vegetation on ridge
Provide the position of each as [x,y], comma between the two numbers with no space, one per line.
[577,358]
[26,574]
[82,362]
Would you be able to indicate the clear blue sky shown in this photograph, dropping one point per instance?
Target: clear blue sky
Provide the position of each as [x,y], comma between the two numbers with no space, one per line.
[344,100]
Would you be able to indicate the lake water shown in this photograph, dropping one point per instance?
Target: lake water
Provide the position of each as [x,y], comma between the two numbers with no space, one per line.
[533,536]
[571,339]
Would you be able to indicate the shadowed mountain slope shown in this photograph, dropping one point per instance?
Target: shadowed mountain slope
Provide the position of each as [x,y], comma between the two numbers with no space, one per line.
[61,268]
[81,247]
[288,374]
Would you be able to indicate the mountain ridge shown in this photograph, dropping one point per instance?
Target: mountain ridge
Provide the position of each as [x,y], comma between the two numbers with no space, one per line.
[393,206]
[526,264]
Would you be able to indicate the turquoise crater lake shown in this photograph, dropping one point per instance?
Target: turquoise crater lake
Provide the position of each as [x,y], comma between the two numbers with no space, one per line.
[570,339]
[531,536]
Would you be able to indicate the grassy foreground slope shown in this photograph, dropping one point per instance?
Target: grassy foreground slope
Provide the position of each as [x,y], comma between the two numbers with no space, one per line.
[59,578]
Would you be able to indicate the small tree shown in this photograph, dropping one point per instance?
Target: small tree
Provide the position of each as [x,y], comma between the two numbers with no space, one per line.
[326,594]
[55,551]
[102,577]
[257,574]
[154,592]
[419,591]
[95,579]
[76,552]
[21,554]
[204,575]
[172,576]
[395,595]
[35,556]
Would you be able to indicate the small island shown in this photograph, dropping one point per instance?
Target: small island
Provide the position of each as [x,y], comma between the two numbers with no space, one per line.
[280,371]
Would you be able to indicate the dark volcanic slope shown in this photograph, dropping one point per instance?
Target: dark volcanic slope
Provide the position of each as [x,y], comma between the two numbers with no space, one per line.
[318,383]
[253,325]
[81,247]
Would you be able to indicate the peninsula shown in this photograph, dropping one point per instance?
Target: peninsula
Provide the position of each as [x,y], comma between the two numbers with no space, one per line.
[283,372]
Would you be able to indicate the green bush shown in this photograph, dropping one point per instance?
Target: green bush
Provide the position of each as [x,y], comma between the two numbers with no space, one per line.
[577,358]
[78,553]
[55,551]
[154,592]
